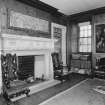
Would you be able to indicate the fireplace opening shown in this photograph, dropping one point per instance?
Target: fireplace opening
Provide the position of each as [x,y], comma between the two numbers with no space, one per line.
[25,67]
[31,67]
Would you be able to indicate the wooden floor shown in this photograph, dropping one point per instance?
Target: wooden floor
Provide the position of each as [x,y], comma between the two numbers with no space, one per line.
[41,96]
[81,94]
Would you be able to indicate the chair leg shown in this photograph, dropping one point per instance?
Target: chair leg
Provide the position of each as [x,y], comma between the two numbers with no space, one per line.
[68,77]
[64,78]
[61,79]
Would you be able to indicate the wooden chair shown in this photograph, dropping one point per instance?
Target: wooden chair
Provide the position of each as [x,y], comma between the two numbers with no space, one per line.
[11,89]
[61,72]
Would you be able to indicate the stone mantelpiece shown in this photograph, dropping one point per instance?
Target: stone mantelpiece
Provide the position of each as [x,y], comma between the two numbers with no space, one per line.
[25,45]
[17,42]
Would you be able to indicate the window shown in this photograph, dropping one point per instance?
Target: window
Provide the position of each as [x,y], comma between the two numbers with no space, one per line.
[85,37]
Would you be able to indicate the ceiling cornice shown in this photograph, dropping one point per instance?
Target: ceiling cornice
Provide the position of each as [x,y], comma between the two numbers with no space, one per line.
[87,15]
[42,6]
[38,4]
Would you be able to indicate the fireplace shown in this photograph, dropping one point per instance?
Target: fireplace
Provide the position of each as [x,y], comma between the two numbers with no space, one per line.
[33,48]
[34,58]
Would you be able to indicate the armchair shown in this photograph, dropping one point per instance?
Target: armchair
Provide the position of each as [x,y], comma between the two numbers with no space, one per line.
[61,72]
[12,87]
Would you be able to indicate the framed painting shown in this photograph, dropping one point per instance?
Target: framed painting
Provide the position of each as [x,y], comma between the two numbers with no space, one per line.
[17,20]
[100,38]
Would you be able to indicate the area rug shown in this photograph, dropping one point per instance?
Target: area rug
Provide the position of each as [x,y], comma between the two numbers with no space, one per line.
[100,89]
[81,94]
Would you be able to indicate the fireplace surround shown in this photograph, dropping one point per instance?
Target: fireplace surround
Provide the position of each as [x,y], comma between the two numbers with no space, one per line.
[28,46]
[39,48]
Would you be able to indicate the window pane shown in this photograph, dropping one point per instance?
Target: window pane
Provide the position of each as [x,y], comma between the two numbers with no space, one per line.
[80,48]
[85,39]
[81,33]
[89,27]
[89,41]
[81,28]
[84,28]
[86,34]
[81,41]
[84,48]
[89,32]
[89,48]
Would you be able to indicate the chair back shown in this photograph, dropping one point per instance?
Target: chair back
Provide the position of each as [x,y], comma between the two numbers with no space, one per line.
[9,68]
[56,61]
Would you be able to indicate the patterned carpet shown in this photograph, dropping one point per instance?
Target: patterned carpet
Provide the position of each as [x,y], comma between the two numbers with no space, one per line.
[81,94]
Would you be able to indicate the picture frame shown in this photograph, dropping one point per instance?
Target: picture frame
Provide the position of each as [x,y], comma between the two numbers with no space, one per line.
[23,22]
[100,38]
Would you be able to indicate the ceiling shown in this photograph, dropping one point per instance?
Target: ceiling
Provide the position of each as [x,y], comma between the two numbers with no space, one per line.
[69,7]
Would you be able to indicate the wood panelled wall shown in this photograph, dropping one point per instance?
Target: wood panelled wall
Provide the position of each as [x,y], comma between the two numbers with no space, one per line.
[71,23]
[72,40]
[73,33]
[27,10]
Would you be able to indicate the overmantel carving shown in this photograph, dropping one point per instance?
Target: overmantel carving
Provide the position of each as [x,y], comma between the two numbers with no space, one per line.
[21,21]
[17,42]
